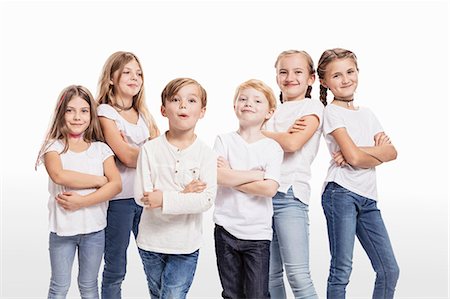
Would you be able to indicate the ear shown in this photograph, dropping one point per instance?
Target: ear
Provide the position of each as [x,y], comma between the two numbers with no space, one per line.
[202,112]
[270,113]
[163,111]
[322,82]
[311,79]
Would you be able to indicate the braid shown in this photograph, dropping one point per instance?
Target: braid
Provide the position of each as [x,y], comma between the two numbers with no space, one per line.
[308,92]
[281,97]
[323,94]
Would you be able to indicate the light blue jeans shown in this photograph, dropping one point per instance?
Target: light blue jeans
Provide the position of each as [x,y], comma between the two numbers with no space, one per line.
[290,248]
[348,215]
[62,253]
[169,276]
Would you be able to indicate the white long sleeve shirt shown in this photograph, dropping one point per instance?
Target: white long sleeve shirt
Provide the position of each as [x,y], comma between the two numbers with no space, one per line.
[176,228]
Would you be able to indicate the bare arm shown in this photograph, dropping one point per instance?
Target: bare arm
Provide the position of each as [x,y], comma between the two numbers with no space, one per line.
[293,141]
[228,177]
[352,154]
[266,188]
[126,153]
[70,178]
[383,149]
[73,201]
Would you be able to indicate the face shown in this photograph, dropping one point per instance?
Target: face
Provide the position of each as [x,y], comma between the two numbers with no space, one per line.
[293,76]
[128,83]
[341,77]
[252,107]
[77,115]
[184,109]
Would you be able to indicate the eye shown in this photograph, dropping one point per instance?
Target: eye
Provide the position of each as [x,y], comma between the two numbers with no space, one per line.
[69,110]
[85,110]
[258,101]
[298,72]
[282,72]
[192,100]
[126,72]
[174,100]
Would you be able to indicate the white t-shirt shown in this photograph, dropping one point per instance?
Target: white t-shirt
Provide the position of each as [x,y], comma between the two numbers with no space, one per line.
[176,228]
[136,135]
[296,167]
[361,126]
[85,220]
[246,216]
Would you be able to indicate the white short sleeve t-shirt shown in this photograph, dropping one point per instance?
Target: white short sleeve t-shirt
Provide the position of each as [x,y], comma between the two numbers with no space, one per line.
[136,135]
[85,220]
[361,126]
[246,216]
[296,167]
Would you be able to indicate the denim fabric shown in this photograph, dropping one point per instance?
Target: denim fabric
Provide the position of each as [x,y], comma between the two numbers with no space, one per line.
[348,215]
[243,265]
[169,276]
[123,217]
[290,247]
[62,253]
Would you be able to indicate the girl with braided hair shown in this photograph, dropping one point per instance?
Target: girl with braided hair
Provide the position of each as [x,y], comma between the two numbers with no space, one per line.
[296,126]
[357,144]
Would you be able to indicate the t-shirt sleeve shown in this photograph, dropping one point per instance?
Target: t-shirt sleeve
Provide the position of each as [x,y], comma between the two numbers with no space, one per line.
[52,146]
[275,156]
[106,151]
[331,121]
[377,128]
[219,147]
[315,107]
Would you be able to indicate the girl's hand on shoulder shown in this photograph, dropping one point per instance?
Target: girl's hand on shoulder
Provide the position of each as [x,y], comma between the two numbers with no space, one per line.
[124,137]
[195,186]
[70,201]
[339,159]
[223,163]
[297,126]
[381,138]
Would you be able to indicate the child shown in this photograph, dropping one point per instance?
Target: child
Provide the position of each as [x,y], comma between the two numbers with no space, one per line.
[83,176]
[290,243]
[248,174]
[126,124]
[167,183]
[357,144]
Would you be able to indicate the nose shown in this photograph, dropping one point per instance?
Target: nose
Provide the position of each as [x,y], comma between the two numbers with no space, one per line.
[134,76]
[290,76]
[345,79]
[182,104]
[76,115]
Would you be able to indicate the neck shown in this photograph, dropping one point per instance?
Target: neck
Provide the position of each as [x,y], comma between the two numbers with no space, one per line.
[181,139]
[75,136]
[347,103]
[250,133]
[293,99]
[124,104]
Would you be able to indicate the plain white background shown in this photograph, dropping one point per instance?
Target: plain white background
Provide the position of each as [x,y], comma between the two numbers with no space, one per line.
[402,49]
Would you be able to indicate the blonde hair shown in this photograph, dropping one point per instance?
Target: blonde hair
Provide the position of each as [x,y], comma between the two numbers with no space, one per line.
[117,62]
[326,58]
[259,86]
[58,129]
[310,62]
[175,85]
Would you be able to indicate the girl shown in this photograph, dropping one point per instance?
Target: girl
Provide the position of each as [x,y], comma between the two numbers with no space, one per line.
[357,144]
[126,124]
[290,243]
[83,176]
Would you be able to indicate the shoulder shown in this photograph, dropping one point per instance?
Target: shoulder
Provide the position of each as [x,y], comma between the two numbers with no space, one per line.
[204,151]
[271,145]
[54,145]
[107,111]
[315,104]
[102,149]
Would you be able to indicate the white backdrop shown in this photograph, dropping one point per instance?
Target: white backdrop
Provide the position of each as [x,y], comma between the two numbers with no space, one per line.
[402,49]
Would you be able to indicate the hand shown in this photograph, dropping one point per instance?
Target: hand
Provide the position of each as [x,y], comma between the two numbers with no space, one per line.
[195,186]
[102,180]
[297,126]
[381,139]
[339,159]
[124,137]
[70,201]
[153,199]
[222,163]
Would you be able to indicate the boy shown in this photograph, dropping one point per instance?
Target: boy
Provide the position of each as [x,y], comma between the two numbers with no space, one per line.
[176,181]
[248,175]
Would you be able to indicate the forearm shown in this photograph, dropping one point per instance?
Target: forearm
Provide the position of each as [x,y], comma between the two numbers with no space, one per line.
[77,180]
[384,153]
[177,203]
[287,141]
[266,188]
[361,159]
[108,191]
[128,155]
[230,178]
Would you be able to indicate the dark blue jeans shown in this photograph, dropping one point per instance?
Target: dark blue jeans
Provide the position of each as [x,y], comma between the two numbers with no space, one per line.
[169,276]
[123,217]
[348,215]
[243,265]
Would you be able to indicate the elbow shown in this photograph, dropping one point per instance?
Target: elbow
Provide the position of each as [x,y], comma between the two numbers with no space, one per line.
[290,147]
[271,190]
[117,187]
[128,161]
[58,178]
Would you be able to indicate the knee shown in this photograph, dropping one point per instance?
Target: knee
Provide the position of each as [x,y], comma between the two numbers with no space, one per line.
[58,289]
[390,275]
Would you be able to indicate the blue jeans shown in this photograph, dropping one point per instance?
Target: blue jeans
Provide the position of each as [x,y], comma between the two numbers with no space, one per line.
[349,214]
[123,217]
[243,265]
[290,247]
[169,276]
[62,253]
